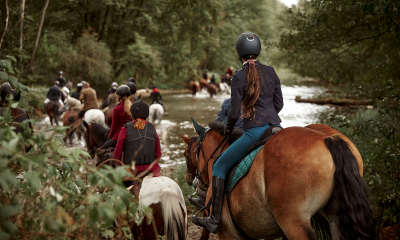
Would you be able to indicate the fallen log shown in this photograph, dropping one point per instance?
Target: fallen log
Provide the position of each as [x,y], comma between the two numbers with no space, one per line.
[333,101]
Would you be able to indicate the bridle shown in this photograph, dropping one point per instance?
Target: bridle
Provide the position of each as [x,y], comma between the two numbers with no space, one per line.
[189,163]
[204,186]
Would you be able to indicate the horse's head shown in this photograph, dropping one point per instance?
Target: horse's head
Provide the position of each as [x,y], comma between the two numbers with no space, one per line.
[211,143]
[191,158]
[89,139]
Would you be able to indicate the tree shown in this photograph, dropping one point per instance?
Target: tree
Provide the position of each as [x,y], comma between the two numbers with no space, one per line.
[39,30]
[21,23]
[4,20]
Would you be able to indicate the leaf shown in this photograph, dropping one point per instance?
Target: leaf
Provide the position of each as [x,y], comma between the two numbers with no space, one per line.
[3,76]
[33,179]
[12,58]
[14,105]
[94,214]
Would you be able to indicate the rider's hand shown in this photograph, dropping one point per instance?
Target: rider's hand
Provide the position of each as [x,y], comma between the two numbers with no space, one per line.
[227,131]
[230,125]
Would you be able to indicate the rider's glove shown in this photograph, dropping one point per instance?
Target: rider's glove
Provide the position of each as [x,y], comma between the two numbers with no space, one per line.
[230,125]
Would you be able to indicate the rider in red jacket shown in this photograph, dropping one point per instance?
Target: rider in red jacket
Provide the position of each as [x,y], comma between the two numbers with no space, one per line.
[121,115]
[139,141]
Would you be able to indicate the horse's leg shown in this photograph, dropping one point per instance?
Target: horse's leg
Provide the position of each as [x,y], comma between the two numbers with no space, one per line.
[331,211]
[205,234]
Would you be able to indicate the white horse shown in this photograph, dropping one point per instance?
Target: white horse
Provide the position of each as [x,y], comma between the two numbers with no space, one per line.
[95,116]
[71,103]
[156,111]
[165,191]
[224,88]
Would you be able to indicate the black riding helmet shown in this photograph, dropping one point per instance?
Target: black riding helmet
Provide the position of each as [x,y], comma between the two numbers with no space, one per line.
[6,90]
[140,109]
[132,86]
[123,91]
[248,45]
[132,80]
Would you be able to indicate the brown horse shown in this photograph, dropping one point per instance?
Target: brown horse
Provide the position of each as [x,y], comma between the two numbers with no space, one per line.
[69,119]
[213,89]
[298,172]
[18,116]
[203,84]
[52,111]
[194,87]
[96,136]
[108,116]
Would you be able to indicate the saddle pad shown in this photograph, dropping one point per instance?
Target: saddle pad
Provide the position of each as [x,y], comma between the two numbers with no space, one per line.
[242,169]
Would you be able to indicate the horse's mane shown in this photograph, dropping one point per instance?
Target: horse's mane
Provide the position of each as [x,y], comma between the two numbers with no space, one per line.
[99,132]
[219,128]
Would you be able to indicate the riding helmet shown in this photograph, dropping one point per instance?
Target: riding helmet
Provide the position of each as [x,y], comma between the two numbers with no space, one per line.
[132,86]
[114,84]
[131,79]
[140,109]
[60,73]
[248,45]
[6,89]
[123,91]
[154,86]
[56,82]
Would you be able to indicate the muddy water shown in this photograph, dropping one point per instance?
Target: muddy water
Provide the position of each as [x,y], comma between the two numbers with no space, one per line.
[181,107]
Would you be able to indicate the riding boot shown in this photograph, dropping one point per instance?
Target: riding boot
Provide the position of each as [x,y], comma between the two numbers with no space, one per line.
[213,222]
[197,202]
[44,109]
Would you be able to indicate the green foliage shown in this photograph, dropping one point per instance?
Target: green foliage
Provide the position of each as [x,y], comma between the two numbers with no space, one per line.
[375,133]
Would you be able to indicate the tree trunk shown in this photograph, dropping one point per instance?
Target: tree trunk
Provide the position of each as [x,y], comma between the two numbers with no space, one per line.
[4,19]
[38,33]
[21,23]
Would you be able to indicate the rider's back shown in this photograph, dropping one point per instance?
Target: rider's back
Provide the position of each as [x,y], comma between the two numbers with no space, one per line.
[88,95]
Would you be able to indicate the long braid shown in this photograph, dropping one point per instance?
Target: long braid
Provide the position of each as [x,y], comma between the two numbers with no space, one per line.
[253,90]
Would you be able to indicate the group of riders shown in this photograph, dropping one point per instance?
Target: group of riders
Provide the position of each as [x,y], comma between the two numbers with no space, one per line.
[256,99]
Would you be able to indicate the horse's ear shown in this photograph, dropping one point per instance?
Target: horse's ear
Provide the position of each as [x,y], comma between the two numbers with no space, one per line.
[185,139]
[140,96]
[85,124]
[199,129]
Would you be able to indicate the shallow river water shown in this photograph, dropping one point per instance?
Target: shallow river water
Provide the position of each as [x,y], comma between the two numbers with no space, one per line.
[181,107]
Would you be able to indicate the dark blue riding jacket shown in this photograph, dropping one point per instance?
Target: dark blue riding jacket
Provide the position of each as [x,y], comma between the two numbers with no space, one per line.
[54,93]
[223,114]
[62,82]
[268,104]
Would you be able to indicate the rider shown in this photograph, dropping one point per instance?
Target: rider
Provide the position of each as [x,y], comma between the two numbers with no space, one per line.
[223,114]
[212,80]
[156,98]
[132,86]
[61,79]
[121,115]
[89,98]
[131,79]
[105,100]
[54,94]
[139,141]
[255,88]
[77,92]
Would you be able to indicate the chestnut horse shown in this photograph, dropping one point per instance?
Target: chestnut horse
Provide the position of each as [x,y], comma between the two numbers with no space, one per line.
[96,136]
[194,87]
[52,111]
[298,172]
[69,119]
[203,84]
[213,89]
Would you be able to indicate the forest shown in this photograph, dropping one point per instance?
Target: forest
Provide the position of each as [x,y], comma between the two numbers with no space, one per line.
[351,44]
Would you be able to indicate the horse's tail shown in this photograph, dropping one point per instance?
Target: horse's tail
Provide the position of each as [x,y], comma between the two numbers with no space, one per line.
[350,194]
[174,216]
[55,110]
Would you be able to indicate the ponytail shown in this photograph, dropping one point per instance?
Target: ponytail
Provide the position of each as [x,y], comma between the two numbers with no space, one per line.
[253,90]
[127,104]
[139,124]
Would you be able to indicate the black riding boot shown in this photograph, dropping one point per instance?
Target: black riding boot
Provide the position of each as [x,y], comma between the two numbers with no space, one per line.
[198,202]
[212,223]
[44,108]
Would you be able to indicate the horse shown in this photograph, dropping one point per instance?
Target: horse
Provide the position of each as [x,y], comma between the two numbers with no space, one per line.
[94,116]
[18,116]
[96,136]
[71,103]
[164,197]
[224,88]
[212,89]
[194,87]
[203,84]
[298,172]
[156,112]
[69,119]
[52,111]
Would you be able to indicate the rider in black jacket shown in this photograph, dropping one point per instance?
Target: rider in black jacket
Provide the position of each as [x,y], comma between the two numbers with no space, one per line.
[54,94]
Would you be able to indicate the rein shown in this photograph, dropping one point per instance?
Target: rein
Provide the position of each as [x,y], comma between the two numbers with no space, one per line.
[199,174]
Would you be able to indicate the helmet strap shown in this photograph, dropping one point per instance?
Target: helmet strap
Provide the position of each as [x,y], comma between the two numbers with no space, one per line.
[240,59]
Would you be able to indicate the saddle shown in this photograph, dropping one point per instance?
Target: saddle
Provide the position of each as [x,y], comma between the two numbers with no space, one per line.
[237,172]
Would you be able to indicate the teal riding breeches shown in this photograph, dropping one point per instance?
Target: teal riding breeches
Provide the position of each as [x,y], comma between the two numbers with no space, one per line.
[237,150]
